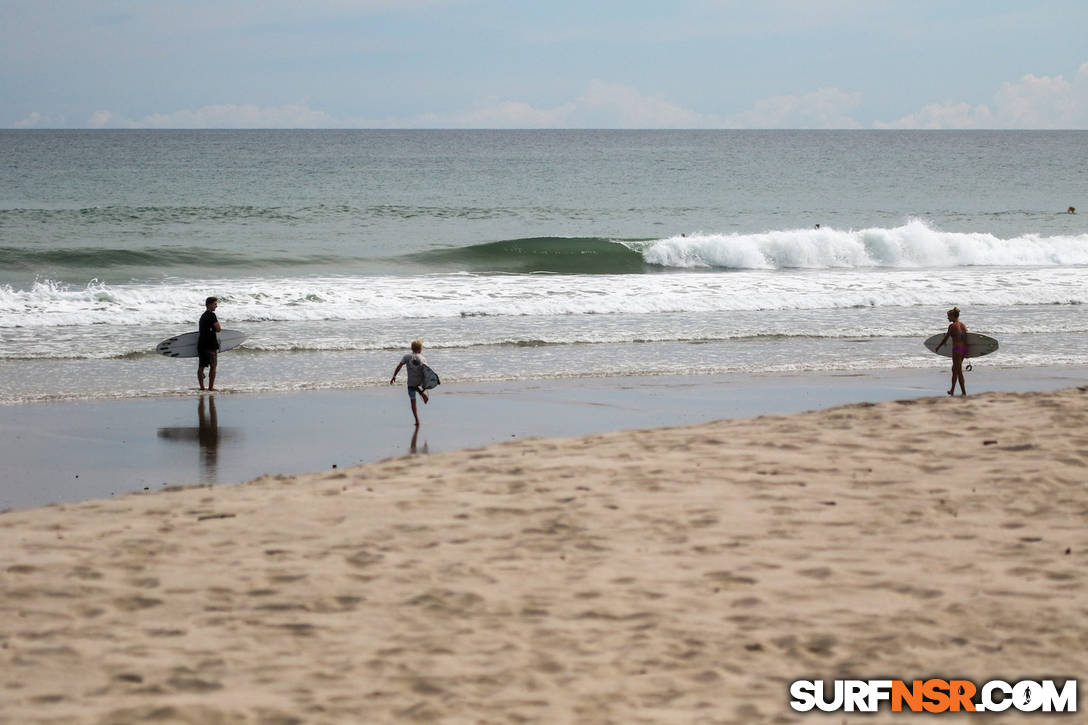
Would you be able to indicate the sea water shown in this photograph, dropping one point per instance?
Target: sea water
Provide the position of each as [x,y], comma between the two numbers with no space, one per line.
[530,254]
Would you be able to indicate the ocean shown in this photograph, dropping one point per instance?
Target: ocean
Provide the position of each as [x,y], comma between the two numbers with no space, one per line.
[530,254]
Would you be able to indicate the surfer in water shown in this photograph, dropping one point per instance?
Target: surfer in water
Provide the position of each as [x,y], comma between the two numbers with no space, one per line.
[207,344]
[958,332]
[415,362]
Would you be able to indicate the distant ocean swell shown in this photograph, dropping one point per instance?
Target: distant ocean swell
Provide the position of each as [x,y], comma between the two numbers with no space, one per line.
[558,255]
[912,245]
[167,215]
[97,260]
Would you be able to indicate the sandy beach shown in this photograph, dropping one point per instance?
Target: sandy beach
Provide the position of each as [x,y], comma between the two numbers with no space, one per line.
[683,574]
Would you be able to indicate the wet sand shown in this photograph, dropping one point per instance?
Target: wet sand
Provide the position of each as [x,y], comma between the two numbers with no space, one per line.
[70,451]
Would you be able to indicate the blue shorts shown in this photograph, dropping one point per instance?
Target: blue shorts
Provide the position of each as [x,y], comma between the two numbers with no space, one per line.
[412,391]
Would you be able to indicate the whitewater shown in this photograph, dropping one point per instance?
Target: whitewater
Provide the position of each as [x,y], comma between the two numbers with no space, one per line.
[906,266]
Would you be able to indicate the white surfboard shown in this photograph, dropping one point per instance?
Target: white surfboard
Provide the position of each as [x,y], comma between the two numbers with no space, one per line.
[977,345]
[185,345]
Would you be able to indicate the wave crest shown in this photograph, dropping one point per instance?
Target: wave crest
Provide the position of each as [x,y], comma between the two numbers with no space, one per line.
[558,255]
[914,244]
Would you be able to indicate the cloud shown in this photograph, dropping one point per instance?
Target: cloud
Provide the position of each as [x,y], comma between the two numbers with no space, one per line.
[106,119]
[937,116]
[601,105]
[613,105]
[825,108]
[1036,102]
[35,120]
[1041,102]
[627,108]
[496,114]
[1032,102]
[222,116]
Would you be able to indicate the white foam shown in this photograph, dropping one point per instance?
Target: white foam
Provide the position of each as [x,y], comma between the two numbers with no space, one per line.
[52,305]
[915,244]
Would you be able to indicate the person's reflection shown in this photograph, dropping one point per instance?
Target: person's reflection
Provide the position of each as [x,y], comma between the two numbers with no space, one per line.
[208,438]
[207,435]
[415,438]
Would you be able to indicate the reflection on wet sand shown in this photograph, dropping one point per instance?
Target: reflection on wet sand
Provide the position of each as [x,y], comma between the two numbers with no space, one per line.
[412,446]
[207,435]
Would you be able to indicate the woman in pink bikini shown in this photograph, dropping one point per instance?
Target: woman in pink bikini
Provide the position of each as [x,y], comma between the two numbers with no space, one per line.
[958,332]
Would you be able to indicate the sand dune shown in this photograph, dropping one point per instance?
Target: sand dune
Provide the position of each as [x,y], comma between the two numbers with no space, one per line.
[672,575]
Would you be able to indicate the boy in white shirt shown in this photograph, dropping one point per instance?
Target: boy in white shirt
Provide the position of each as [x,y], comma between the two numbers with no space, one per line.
[415,362]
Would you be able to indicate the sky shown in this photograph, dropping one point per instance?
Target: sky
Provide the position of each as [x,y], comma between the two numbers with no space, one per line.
[845,64]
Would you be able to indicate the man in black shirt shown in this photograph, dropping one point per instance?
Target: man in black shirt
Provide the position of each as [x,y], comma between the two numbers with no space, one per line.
[207,343]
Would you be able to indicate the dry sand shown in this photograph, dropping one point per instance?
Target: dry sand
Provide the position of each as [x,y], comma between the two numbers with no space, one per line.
[679,575]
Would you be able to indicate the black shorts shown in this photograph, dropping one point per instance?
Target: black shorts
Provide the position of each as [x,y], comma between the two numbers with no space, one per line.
[207,357]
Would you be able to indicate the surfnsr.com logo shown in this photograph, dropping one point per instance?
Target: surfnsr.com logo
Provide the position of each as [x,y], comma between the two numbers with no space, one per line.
[933,696]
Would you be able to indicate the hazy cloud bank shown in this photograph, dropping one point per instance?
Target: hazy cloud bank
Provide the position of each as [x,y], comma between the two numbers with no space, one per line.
[1032,102]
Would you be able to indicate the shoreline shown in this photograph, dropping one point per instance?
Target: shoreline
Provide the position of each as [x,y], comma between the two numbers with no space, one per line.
[78,450]
[679,574]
